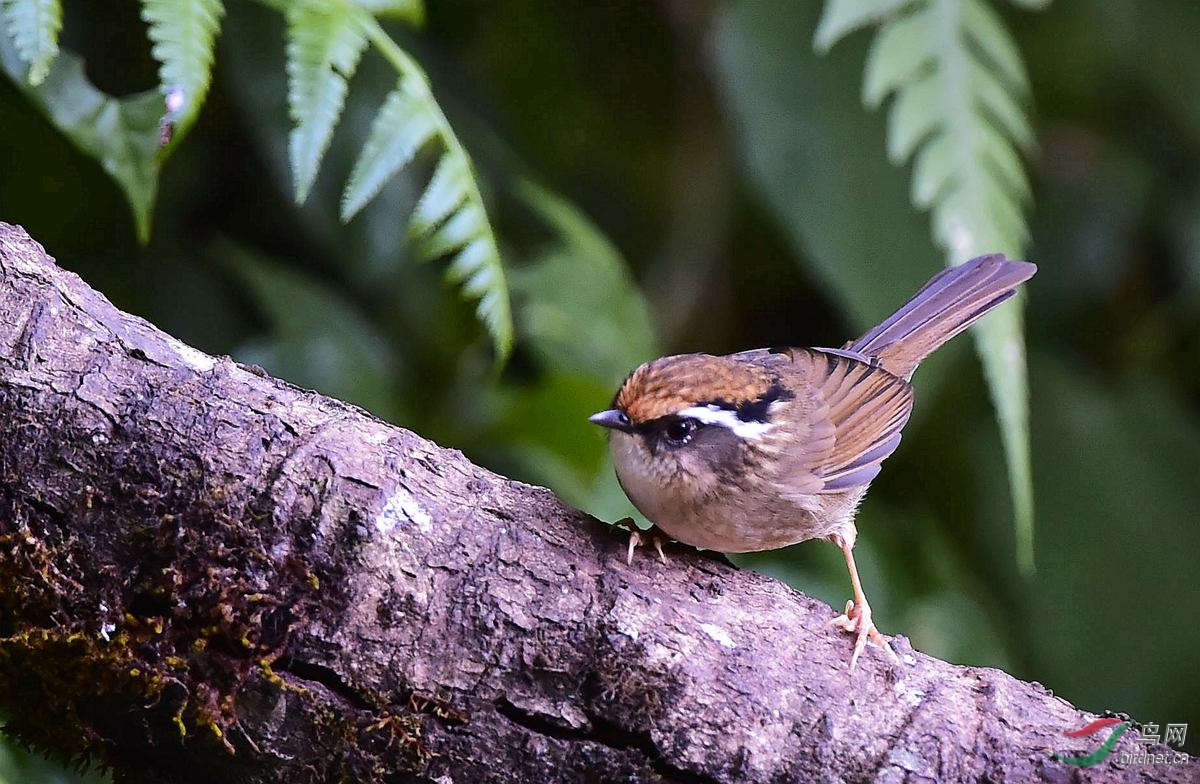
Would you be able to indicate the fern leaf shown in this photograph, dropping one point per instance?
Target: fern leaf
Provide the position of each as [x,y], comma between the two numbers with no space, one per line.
[955,79]
[34,26]
[912,118]
[183,32]
[1004,159]
[411,11]
[450,218]
[900,50]
[843,17]
[1032,5]
[441,197]
[997,101]
[467,235]
[402,126]
[985,30]
[325,42]
[933,171]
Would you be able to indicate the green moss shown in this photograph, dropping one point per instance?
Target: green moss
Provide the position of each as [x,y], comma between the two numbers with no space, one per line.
[107,663]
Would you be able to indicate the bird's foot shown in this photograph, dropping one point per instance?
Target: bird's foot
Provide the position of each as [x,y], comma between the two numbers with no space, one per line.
[637,537]
[857,620]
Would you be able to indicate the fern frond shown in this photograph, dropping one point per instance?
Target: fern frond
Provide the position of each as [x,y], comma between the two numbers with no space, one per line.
[34,26]
[411,11]
[183,32]
[843,17]
[402,126]
[443,195]
[956,83]
[450,218]
[325,40]
[985,30]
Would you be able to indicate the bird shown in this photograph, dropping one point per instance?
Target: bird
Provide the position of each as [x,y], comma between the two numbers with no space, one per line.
[769,447]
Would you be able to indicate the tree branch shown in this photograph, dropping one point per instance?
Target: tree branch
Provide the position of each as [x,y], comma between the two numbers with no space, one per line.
[207,574]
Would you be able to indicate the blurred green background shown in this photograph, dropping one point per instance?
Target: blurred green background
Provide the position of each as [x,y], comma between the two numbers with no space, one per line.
[683,175]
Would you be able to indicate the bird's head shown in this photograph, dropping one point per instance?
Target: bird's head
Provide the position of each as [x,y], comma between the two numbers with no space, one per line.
[689,427]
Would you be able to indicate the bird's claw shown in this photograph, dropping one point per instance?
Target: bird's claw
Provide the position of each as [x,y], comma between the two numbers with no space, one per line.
[652,535]
[857,620]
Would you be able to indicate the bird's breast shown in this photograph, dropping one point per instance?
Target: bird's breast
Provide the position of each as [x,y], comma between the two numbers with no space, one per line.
[727,518]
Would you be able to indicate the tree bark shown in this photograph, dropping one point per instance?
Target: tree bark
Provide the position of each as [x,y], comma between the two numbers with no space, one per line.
[207,574]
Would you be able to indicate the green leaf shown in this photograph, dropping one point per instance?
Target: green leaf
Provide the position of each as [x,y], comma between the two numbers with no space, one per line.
[122,134]
[405,123]
[1032,5]
[476,264]
[469,267]
[183,32]
[450,218]
[456,232]
[843,17]
[602,329]
[953,69]
[1002,156]
[985,31]
[1001,346]
[991,97]
[34,26]
[933,171]
[443,195]
[900,50]
[411,11]
[325,41]
[913,117]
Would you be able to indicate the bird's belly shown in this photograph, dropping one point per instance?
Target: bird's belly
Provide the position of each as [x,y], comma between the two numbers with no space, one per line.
[729,524]
[733,529]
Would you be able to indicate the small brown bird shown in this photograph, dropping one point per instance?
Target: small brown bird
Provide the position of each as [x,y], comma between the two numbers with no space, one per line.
[766,448]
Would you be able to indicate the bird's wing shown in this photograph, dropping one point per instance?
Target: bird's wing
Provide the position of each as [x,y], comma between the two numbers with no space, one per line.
[850,422]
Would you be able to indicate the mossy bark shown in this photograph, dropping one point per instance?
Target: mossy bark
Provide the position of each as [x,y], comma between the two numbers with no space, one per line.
[207,574]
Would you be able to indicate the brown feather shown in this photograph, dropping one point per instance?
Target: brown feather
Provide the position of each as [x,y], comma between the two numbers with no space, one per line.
[664,386]
[855,412]
[951,301]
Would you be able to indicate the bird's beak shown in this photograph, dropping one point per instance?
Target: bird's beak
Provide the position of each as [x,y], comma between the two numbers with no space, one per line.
[613,418]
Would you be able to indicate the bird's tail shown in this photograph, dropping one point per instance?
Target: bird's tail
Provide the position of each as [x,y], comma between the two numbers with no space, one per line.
[951,301]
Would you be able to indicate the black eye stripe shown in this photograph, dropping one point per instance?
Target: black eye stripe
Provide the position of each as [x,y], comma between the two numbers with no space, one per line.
[756,410]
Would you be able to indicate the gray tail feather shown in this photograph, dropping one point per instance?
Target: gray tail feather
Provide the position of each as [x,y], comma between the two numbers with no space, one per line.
[951,301]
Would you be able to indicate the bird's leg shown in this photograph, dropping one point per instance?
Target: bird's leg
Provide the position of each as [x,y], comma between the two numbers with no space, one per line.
[652,535]
[857,618]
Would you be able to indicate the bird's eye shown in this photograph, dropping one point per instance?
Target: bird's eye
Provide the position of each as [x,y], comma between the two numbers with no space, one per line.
[679,431]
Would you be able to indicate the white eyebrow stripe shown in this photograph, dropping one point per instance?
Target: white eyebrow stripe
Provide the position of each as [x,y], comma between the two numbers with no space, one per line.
[715,415]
